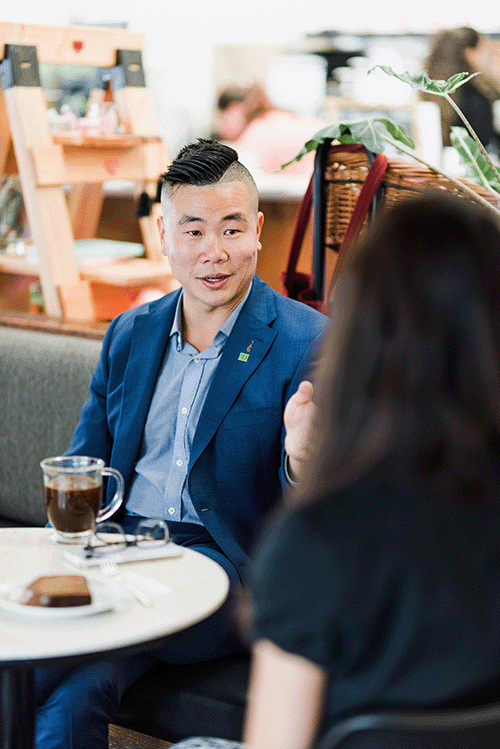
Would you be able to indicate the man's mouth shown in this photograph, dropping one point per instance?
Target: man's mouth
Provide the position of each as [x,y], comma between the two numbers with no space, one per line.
[215,281]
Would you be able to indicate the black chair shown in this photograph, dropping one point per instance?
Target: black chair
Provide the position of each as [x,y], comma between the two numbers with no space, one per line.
[176,702]
[464,728]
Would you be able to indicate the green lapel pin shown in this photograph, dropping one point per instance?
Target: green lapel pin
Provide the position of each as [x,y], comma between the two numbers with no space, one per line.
[243,356]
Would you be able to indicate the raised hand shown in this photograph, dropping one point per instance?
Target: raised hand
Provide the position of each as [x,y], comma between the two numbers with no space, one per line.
[298,417]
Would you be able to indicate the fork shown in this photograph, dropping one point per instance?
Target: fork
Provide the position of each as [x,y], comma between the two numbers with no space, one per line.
[110,568]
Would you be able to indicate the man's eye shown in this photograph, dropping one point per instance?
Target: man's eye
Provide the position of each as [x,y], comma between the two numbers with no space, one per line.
[194,232]
[232,232]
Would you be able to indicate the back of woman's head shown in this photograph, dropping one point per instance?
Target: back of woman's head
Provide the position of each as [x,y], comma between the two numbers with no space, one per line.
[447,54]
[451,53]
[411,373]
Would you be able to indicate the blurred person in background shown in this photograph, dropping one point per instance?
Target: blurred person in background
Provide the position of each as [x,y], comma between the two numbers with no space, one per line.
[465,50]
[264,135]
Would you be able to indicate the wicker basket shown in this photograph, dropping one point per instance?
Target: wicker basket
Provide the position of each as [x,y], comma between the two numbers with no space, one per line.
[345,173]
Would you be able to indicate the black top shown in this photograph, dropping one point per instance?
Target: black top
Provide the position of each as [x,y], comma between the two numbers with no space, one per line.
[396,596]
[478,110]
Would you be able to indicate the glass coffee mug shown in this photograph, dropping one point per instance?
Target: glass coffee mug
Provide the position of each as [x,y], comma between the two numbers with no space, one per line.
[73,495]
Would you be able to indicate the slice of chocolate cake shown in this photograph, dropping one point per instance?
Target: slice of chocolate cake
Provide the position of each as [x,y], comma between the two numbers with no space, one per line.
[57,591]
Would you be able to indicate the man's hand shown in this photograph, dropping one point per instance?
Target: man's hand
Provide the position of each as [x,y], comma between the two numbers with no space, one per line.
[298,417]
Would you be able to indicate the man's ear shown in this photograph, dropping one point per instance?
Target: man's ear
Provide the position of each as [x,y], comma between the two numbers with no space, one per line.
[260,222]
[161,230]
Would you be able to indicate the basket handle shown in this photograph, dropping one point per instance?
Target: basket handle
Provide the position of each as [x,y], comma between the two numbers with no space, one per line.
[298,236]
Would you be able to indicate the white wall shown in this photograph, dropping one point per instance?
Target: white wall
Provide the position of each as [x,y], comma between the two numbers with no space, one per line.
[181,35]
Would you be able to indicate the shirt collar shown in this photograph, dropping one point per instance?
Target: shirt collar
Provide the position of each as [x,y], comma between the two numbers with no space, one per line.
[224,330]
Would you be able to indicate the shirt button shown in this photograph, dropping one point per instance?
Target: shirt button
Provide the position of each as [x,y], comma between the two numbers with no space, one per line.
[197,361]
[171,511]
[184,410]
[179,462]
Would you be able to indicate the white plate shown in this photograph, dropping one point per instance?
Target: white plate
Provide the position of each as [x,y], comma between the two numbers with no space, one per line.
[104,598]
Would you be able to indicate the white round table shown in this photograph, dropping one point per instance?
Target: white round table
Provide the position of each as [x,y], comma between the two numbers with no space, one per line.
[191,587]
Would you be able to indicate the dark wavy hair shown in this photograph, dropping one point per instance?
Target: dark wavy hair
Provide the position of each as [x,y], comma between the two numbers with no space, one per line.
[409,385]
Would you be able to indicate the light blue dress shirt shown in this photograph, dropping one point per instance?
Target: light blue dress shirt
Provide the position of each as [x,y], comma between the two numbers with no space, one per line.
[159,487]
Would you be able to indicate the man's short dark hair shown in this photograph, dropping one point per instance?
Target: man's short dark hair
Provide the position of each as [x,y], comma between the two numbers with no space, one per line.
[205,162]
[201,163]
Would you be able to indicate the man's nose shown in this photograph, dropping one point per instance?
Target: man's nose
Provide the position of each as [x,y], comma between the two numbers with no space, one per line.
[214,250]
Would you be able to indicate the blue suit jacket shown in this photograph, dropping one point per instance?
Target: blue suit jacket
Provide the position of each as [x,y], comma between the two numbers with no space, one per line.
[236,456]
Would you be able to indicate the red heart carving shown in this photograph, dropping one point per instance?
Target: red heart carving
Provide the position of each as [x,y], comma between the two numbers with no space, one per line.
[112,166]
[77,46]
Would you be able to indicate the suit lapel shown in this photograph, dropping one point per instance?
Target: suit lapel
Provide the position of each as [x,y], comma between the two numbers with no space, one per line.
[149,339]
[247,345]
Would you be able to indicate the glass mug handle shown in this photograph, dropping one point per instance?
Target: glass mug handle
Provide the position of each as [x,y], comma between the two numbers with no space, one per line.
[110,509]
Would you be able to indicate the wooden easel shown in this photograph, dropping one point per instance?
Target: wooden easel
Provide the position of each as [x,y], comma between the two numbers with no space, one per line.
[46,162]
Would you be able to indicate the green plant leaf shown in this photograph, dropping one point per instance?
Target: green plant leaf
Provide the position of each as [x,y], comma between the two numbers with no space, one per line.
[330,132]
[477,167]
[422,82]
[397,132]
[366,132]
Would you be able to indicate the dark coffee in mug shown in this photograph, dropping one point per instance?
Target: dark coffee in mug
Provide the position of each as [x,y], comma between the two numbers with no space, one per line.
[73,495]
[72,502]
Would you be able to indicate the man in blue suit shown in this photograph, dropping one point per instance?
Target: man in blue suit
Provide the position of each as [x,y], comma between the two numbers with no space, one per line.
[187,403]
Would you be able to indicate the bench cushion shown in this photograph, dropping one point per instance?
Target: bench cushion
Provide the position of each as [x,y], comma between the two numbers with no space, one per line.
[44,379]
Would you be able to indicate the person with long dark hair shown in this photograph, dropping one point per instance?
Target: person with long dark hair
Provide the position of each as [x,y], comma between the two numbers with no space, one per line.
[382,587]
[465,50]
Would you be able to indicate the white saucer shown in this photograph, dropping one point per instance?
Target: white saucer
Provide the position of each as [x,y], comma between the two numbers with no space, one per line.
[104,598]
[80,541]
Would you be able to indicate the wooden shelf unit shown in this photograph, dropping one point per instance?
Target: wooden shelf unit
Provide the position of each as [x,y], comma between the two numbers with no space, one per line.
[47,162]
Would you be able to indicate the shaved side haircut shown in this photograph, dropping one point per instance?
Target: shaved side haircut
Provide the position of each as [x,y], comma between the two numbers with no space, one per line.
[206,163]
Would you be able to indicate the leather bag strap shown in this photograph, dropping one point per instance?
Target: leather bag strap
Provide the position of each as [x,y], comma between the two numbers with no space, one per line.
[298,236]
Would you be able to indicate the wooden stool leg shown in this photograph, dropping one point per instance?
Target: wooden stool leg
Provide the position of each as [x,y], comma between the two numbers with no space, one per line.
[124,738]
[85,205]
[5,137]
[65,294]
